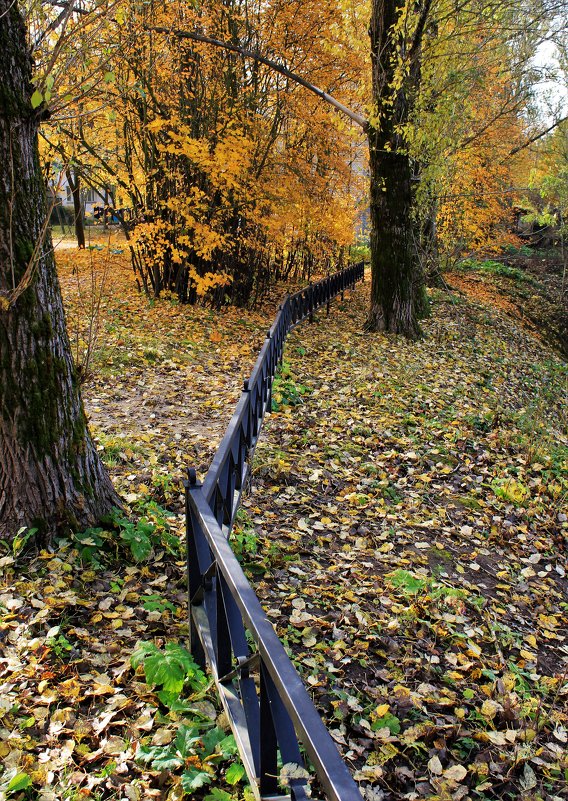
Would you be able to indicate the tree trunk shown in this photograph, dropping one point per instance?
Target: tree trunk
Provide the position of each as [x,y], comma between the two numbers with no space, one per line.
[397,285]
[50,474]
[74,181]
[394,268]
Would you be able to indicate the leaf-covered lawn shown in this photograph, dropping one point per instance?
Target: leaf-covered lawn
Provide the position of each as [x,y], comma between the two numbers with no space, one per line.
[409,507]
[406,531]
[76,721]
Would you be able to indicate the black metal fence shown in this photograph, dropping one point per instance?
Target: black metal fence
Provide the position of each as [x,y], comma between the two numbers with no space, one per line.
[262,694]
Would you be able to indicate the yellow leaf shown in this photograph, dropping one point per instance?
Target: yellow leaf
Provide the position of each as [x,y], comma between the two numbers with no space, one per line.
[489,709]
[70,689]
[435,766]
[456,773]
[473,649]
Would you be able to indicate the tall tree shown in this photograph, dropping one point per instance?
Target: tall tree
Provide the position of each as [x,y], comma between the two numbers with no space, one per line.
[50,473]
[397,284]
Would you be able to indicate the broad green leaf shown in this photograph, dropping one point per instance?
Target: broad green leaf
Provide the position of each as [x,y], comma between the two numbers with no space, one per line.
[139,543]
[167,761]
[389,722]
[212,740]
[186,738]
[235,773]
[218,795]
[194,779]
[36,99]
[143,649]
[405,581]
[19,782]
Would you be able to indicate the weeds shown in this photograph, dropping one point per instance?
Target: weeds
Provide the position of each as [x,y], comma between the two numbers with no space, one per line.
[244,540]
[286,391]
[495,268]
[200,749]
[139,537]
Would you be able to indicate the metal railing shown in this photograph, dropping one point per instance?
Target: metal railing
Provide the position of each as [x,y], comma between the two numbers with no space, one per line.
[263,696]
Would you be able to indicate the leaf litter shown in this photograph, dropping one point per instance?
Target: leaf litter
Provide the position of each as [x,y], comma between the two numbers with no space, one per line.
[410,512]
[405,530]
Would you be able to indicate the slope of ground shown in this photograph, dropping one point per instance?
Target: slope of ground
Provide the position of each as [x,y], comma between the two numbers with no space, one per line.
[406,531]
[529,286]
[410,515]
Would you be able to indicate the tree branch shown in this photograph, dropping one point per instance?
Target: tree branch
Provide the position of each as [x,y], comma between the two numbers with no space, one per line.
[419,33]
[274,65]
[536,137]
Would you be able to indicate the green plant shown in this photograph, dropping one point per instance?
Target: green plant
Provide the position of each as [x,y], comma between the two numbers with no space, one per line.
[13,781]
[198,752]
[60,646]
[155,603]
[107,771]
[466,748]
[523,250]
[149,531]
[137,535]
[244,540]
[172,669]
[200,747]
[285,390]
[407,583]
[21,539]
[388,721]
[359,252]
[495,268]
[115,449]
[163,485]
[511,491]
[390,493]
[89,544]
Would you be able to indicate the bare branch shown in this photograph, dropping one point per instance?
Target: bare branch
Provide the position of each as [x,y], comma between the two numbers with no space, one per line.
[536,137]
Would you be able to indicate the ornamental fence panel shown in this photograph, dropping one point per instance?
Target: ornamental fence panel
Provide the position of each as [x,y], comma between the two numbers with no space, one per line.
[265,700]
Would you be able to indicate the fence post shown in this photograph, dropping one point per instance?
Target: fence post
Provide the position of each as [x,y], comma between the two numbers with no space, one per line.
[193,570]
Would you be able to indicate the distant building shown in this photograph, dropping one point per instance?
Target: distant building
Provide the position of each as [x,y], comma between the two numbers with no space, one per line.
[59,191]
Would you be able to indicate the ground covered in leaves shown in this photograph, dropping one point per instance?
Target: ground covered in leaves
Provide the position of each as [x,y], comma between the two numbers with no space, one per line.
[529,285]
[406,532]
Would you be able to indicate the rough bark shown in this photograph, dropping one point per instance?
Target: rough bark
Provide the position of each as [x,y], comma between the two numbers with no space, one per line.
[397,287]
[50,474]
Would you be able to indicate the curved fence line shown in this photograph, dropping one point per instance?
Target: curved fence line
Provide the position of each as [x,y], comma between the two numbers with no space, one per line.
[268,707]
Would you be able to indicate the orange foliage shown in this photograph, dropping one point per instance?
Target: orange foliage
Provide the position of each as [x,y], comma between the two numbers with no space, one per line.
[228,166]
[478,191]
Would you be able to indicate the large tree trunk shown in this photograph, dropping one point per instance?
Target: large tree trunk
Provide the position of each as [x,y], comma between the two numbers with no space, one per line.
[397,285]
[50,474]
[395,275]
